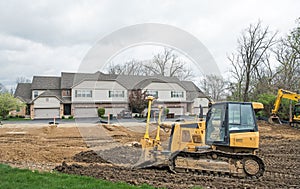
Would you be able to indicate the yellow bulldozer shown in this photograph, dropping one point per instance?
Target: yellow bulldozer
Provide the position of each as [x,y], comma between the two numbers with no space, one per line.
[294,115]
[224,143]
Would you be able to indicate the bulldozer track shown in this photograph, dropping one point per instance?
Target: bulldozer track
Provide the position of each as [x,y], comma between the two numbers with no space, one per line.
[281,175]
[246,166]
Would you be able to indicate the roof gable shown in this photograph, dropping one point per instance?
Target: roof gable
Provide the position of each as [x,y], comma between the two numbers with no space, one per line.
[48,93]
[23,92]
[69,80]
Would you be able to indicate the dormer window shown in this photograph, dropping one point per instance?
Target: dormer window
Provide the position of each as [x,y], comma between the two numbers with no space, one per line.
[35,94]
[177,94]
[66,93]
[83,93]
[152,93]
[116,94]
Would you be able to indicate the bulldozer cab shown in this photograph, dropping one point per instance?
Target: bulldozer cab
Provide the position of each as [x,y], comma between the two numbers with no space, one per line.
[226,118]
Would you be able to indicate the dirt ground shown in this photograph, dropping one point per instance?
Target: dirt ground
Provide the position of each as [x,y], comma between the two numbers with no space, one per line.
[108,152]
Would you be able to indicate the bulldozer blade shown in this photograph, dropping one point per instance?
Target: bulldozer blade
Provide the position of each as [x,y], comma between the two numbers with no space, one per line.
[148,161]
[274,120]
[145,164]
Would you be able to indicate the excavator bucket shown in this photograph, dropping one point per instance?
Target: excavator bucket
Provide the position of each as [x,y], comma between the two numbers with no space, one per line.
[274,119]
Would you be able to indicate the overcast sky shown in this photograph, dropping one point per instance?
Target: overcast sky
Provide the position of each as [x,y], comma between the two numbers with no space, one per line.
[46,37]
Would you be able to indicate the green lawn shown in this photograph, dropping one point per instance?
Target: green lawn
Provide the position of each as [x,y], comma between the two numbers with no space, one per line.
[21,178]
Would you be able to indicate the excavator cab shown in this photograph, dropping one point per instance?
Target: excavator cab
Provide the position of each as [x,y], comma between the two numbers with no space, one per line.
[297,110]
[232,125]
[296,116]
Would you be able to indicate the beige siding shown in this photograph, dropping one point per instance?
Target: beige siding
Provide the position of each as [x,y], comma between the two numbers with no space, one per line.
[99,85]
[47,102]
[165,89]
[100,91]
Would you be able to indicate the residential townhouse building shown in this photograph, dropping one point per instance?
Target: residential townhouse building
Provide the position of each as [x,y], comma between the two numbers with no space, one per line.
[81,94]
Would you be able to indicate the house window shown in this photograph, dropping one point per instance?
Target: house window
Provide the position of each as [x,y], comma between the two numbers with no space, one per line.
[83,93]
[47,99]
[66,93]
[116,94]
[176,94]
[152,93]
[35,94]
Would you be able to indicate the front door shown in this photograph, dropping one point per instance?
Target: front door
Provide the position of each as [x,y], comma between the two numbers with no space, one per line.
[67,109]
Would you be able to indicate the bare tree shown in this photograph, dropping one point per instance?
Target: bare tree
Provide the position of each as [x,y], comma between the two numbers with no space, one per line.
[2,88]
[167,63]
[253,46]
[263,80]
[214,86]
[238,73]
[294,38]
[287,53]
[22,79]
[132,67]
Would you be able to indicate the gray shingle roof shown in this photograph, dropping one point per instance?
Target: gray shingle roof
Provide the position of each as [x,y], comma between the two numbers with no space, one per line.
[139,82]
[129,81]
[192,91]
[70,79]
[67,80]
[45,82]
[23,92]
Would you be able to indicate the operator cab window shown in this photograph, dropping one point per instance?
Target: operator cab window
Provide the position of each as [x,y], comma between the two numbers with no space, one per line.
[215,124]
[241,118]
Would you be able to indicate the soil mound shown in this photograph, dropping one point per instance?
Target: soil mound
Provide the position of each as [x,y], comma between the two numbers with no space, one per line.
[88,157]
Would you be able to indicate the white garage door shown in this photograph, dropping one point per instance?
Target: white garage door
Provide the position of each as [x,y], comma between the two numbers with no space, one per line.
[177,111]
[197,110]
[40,113]
[85,112]
[114,111]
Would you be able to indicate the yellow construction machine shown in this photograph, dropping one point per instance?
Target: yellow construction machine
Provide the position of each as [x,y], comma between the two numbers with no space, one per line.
[294,115]
[223,144]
